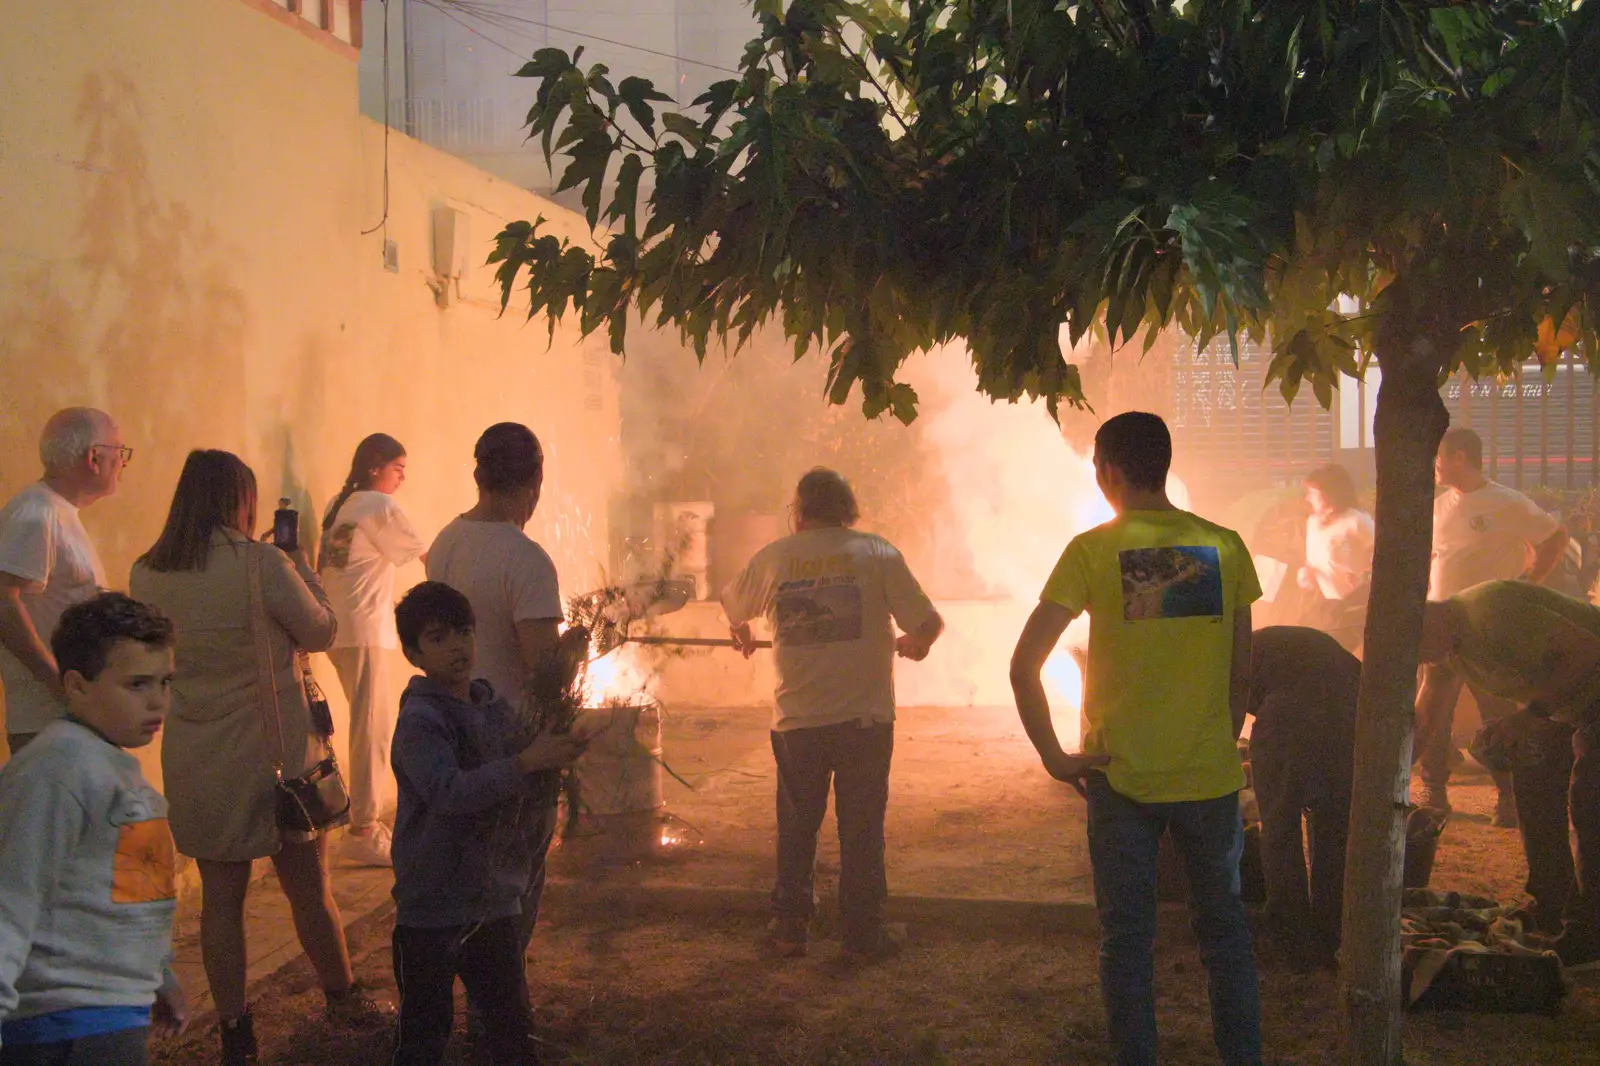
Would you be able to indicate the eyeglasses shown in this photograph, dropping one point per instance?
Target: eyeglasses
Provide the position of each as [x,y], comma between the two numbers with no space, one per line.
[122,450]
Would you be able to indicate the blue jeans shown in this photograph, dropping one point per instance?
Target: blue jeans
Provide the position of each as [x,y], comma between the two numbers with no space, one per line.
[125,1047]
[1123,838]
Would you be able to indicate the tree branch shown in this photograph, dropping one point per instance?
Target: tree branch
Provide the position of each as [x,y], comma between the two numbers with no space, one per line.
[1455,75]
[1112,27]
[888,101]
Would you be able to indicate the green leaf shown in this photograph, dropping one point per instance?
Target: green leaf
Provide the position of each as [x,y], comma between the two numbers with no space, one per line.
[684,127]
[625,202]
[546,63]
[636,95]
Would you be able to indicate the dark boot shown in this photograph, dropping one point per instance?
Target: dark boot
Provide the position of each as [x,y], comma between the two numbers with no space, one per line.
[355,1008]
[239,1041]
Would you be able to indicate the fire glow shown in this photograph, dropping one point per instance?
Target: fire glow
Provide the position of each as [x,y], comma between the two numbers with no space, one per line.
[1018,493]
[619,676]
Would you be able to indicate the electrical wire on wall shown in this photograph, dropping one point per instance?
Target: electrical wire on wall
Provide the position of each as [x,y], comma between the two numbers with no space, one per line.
[487,15]
[383,223]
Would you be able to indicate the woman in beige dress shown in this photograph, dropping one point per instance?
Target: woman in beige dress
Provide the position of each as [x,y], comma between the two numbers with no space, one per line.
[218,754]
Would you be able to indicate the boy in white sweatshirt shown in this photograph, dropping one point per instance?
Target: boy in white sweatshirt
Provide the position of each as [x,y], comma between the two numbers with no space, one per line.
[86,861]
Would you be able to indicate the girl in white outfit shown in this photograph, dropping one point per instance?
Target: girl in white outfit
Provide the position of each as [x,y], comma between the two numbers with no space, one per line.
[1338,554]
[365,536]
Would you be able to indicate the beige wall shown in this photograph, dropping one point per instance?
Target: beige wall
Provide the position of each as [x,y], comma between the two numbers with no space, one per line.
[184,188]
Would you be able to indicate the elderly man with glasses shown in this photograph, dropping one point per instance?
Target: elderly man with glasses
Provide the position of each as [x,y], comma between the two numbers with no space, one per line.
[47,561]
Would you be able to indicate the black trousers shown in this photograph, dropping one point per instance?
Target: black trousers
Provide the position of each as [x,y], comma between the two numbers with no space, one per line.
[1435,720]
[125,1047]
[488,959]
[1560,785]
[1303,906]
[539,829]
[852,757]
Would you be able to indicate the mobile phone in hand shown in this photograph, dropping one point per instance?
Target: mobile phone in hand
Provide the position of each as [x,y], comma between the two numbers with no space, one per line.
[286,526]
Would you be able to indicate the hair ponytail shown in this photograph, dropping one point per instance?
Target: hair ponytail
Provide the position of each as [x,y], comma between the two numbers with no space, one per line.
[373,453]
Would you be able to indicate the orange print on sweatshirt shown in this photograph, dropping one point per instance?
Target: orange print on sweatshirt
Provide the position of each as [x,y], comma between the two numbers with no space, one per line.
[143,869]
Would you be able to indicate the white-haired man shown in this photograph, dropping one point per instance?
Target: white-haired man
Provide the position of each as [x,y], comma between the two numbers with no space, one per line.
[832,596]
[47,561]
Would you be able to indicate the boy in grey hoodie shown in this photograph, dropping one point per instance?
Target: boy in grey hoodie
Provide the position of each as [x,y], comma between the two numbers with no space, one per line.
[461,860]
[86,861]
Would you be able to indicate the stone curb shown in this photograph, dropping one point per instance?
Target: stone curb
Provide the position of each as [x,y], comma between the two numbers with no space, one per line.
[969,914]
[981,916]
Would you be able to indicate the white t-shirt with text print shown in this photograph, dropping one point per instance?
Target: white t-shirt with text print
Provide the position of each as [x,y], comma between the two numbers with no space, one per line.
[1483,535]
[830,596]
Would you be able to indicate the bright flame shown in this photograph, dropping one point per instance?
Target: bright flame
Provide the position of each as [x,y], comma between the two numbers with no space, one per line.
[1018,493]
[622,674]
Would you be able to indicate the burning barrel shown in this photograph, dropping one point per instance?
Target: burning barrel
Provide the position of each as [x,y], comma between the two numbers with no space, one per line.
[619,799]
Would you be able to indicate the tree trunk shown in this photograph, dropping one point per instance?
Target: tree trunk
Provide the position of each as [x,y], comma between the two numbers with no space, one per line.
[1411,419]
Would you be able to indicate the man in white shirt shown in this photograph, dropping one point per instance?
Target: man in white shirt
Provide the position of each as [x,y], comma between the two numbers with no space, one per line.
[1482,531]
[832,596]
[511,583]
[48,563]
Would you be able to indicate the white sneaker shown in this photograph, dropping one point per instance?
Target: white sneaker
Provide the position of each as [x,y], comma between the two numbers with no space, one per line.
[368,849]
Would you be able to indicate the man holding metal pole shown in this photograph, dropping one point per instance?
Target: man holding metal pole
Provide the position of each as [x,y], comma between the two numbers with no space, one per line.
[831,595]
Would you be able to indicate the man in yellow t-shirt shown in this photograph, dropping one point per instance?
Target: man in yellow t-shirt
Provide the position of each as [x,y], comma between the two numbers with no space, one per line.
[1168,596]
[1537,648]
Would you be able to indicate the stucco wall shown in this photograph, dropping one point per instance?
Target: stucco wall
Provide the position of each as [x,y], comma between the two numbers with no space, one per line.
[185,186]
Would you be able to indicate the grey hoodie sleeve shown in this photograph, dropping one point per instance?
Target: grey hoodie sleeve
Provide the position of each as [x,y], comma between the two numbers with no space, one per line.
[423,751]
[37,831]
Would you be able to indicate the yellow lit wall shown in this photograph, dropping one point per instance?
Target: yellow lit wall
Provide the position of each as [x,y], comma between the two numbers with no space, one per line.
[184,190]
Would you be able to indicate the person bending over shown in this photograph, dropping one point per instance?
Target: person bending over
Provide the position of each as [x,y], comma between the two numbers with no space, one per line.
[1303,689]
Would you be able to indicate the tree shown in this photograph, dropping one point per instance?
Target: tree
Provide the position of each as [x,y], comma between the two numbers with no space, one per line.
[884,177]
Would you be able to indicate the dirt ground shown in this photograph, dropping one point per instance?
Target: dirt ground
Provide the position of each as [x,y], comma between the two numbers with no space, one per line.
[624,973]
[971,812]
[629,986]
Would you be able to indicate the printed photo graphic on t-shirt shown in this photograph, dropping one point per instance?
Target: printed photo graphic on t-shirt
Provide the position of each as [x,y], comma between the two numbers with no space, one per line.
[823,610]
[336,546]
[1171,583]
[143,869]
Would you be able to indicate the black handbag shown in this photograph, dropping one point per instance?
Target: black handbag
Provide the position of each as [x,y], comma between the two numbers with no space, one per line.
[317,799]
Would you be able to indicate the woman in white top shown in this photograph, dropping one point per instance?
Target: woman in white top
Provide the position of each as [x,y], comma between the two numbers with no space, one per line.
[365,536]
[1338,553]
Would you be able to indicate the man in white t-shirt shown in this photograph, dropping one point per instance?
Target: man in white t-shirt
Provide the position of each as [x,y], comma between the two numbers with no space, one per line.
[1482,531]
[832,596]
[511,583]
[48,563]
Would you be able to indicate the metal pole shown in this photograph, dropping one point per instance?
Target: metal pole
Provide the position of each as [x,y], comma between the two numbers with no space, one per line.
[1238,411]
[1544,432]
[1494,428]
[1361,412]
[1517,380]
[1315,409]
[1288,437]
[1571,361]
[1594,429]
